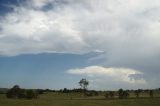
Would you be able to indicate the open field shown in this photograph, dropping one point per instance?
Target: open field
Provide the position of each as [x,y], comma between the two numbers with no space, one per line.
[77,99]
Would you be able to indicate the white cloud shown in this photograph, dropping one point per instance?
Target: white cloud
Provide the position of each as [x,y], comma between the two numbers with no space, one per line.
[42,32]
[115,74]
[40,3]
[127,31]
[112,26]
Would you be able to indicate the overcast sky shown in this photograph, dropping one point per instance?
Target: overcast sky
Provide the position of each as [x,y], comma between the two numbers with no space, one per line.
[54,43]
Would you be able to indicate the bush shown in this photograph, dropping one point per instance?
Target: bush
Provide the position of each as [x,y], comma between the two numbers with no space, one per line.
[40,91]
[30,94]
[17,93]
[137,93]
[1,92]
[14,92]
[151,93]
[109,95]
[123,94]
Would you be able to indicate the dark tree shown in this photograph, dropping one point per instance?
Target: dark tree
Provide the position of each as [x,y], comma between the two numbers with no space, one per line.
[40,91]
[111,94]
[84,83]
[21,93]
[17,93]
[14,92]
[107,95]
[151,93]
[137,93]
[65,90]
[123,94]
[120,93]
[30,94]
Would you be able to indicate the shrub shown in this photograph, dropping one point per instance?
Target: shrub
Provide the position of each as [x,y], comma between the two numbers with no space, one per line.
[30,94]
[17,93]
[123,94]
[151,93]
[109,95]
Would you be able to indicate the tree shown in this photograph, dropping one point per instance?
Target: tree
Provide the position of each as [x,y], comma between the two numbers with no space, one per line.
[14,92]
[137,93]
[84,83]
[107,95]
[30,94]
[120,92]
[21,93]
[151,93]
[65,90]
[17,93]
[111,94]
[123,94]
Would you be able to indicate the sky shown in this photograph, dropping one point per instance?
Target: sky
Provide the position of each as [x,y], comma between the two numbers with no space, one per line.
[55,43]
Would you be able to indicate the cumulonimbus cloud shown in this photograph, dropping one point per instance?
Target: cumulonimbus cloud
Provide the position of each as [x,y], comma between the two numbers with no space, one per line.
[116,74]
[81,26]
[127,31]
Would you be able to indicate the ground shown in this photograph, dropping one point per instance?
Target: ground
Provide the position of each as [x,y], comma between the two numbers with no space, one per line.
[76,99]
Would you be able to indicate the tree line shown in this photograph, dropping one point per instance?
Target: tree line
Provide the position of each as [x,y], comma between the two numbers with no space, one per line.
[18,93]
[122,94]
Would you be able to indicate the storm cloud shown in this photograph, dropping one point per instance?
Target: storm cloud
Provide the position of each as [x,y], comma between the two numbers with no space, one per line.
[125,31]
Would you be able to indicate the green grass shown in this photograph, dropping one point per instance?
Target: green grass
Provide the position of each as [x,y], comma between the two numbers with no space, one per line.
[59,99]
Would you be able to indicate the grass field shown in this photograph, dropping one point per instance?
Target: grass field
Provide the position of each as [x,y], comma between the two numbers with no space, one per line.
[75,99]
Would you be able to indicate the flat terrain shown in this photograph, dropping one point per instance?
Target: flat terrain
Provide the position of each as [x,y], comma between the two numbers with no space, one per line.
[61,99]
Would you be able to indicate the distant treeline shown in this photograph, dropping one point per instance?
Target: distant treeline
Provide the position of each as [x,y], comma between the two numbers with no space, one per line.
[3,90]
[19,93]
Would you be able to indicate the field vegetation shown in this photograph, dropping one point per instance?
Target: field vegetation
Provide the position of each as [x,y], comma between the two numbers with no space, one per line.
[17,96]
